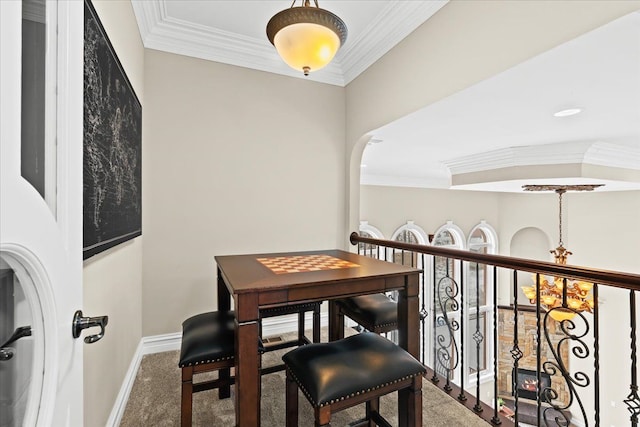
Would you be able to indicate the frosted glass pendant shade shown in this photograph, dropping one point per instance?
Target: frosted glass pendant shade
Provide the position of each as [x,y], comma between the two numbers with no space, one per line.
[306,38]
[306,46]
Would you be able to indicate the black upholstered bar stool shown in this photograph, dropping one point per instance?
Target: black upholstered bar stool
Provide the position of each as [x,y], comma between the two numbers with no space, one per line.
[208,344]
[376,312]
[340,374]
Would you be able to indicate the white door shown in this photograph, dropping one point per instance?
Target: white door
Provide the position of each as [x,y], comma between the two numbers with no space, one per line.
[40,211]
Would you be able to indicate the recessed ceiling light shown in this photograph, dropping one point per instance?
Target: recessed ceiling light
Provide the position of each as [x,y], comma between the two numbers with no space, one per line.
[363,166]
[568,112]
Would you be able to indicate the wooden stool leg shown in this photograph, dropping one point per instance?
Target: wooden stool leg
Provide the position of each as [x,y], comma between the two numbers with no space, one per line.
[224,392]
[372,406]
[414,397]
[187,396]
[291,402]
[301,327]
[323,416]
[316,323]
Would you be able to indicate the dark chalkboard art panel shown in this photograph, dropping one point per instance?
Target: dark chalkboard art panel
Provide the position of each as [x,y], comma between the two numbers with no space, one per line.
[112,159]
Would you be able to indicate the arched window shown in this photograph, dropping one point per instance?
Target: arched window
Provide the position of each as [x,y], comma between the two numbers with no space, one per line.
[479,286]
[408,233]
[449,236]
[368,249]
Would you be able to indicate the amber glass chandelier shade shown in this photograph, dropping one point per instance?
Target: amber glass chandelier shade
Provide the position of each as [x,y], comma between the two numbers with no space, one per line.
[307,38]
[578,297]
[560,314]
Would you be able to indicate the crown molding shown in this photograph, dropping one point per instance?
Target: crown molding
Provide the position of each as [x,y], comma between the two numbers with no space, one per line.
[162,32]
[583,152]
[391,26]
[405,181]
[612,155]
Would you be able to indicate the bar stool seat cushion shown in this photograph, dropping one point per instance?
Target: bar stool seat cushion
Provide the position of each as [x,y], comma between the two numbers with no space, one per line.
[375,309]
[207,337]
[329,372]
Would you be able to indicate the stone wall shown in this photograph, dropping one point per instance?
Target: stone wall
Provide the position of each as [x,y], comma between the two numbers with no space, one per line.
[528,346]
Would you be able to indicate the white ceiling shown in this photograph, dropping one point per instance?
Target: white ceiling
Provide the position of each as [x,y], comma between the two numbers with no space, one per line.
[234,31]
[503,122]
[507,120]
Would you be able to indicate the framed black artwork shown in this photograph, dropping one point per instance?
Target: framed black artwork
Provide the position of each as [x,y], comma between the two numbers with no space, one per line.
[112,158]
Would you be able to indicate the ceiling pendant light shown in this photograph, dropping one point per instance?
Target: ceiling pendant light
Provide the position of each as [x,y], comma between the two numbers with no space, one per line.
[561,297]
[306,37]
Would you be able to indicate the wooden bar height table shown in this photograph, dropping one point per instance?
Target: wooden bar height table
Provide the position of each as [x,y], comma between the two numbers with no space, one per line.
[278,279]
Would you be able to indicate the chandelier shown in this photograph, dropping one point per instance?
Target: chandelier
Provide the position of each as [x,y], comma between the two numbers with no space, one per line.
[561,297]
[306,37]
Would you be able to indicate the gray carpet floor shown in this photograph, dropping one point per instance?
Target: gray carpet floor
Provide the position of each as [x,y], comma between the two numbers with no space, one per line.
[155,401]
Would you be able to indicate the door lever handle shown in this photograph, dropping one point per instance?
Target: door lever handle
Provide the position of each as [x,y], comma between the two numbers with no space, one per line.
[6,353]
[80,323]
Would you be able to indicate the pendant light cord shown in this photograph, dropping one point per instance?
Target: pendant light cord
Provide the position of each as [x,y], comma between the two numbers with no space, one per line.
[560,193]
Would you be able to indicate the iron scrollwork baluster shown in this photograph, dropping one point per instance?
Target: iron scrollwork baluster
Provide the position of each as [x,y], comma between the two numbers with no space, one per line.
[596,355]
[462,396]
[579,379]
[423,313]
[435,378]
[538,349]
[633,400]
[478,338]
[495,420]
[516,353]
[447,348]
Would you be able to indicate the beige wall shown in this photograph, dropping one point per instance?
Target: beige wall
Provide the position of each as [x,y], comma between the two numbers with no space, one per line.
[238,161]
[113,279]
[388,208]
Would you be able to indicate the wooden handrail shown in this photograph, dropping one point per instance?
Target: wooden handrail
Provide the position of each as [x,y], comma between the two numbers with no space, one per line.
[603,277]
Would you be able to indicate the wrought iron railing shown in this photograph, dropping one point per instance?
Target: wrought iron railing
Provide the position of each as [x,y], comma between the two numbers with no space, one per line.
[455,332]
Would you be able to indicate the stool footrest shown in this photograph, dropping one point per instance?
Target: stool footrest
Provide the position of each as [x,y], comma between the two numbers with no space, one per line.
[379,420]
[211,384]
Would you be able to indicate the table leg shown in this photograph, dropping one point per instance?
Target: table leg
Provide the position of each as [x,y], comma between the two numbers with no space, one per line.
[224,297]
[247,376]
[224,304]
[409,402]
[247,362]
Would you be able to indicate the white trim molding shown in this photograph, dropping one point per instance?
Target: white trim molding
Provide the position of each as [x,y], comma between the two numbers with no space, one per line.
[587,152]
[161,31]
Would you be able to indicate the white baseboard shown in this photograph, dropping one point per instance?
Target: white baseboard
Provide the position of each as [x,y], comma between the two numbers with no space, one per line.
[147,345]
[170,342]
[161,343]
[125,389]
